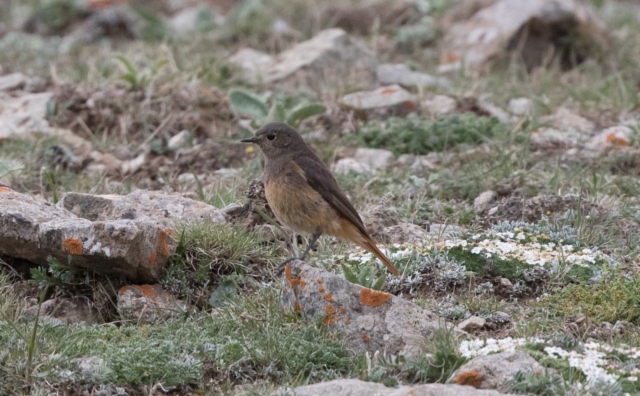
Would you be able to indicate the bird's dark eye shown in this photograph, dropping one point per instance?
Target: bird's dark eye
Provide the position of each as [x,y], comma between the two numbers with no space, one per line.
[271,136]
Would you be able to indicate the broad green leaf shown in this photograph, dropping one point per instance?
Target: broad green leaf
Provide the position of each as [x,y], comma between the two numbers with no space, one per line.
[245,103]
[277,113]
[300,112]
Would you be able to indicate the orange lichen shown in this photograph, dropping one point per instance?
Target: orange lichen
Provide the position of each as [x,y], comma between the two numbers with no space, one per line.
[409,105]
[449,57]
[328,297]
[411,392]
[73,245]
[152,291]
[97,4]
[388,91]
[320,280]
[330,319]
[373,298]
[343,310]
[153,257]
[347,320]
[5,189]
[365,338]
[297,307]
[321,289]
[294,282]
[471,377]
[616,141]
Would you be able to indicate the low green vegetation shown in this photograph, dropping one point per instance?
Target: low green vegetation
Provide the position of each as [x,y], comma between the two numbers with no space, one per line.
[417,135]
[615,297]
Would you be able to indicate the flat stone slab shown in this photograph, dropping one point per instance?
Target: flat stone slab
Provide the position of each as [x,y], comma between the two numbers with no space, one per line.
[392,100]
[332,57]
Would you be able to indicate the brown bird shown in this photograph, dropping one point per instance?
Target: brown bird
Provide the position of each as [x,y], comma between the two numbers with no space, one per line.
[303,193]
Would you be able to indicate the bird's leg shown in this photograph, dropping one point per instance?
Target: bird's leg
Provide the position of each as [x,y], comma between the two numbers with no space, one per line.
[312,242]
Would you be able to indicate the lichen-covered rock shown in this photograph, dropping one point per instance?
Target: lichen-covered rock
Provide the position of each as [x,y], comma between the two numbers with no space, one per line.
[354,387]
[131,236]
[493,371]
[383,102]
[140,206]
[370,320]
[148,304]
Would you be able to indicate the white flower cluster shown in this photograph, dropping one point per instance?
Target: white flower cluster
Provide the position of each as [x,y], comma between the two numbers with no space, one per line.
[526,248]
[594,361]
[473,348]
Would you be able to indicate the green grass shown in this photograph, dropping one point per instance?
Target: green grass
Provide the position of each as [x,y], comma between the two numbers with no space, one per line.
[251,339]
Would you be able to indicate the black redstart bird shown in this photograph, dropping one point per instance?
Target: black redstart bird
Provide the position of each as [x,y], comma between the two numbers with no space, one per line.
[303,193]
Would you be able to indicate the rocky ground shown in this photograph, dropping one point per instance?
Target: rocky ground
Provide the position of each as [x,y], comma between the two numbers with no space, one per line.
[492,148]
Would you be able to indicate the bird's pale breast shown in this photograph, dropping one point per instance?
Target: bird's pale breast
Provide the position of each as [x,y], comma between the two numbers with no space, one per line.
[297,205]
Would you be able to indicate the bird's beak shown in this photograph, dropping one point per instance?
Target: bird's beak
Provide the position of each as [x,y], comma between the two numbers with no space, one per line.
[249,140]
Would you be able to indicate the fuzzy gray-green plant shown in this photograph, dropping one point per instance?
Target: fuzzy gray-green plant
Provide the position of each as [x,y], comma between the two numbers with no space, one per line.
[256,107]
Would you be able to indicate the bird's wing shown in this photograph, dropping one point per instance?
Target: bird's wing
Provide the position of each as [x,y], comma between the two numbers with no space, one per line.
[320,179]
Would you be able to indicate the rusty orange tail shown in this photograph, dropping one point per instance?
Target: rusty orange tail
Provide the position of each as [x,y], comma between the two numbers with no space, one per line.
[371,247]
[349,231]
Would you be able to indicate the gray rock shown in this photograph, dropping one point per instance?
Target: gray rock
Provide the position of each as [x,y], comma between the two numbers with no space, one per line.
[422,163]
[494,111]
[354,387]
[495,370]
[499,317]
[483,200]
[35,230]
[178,141]
[148,304]
[23,114]
[255,64]
[233,209]
[374,159]
[614,137]
[67,310]
[130,236]
[141,206]
[389,74]
[369,320]
[472,324]
[383,102]
[505,283]
[440,105]
[330,58]
[566,120]
[406,233]
[185,21]
[552,138]
[406,159]
[268,233]
[521,106]
[12,81]
[346,165]
[478,39]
